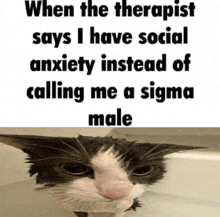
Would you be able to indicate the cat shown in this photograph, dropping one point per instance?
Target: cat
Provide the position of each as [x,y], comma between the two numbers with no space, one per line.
[94,174]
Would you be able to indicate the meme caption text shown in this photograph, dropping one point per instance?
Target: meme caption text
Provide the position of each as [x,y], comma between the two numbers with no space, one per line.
[56,89]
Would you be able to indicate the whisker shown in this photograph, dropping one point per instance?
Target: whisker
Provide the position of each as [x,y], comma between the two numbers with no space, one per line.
[162,151]
[42,159]
[43,146]
[155,154]
[155,158]
[82,147]
[66,200]
[147,154]
[69,146]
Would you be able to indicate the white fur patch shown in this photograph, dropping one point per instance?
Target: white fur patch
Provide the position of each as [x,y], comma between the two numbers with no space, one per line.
[85,189]
[138,190]
[106,164]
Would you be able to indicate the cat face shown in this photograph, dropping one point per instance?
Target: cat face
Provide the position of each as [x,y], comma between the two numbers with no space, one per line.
[93,168]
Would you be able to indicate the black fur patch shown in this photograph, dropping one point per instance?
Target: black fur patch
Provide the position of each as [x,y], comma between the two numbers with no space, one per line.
[81,214]
[136,204]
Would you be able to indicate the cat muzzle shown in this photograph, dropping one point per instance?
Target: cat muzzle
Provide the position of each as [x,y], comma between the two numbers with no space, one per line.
[114,189]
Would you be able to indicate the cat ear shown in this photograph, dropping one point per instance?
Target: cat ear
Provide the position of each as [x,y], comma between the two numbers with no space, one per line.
[42,145]
[165,149]
[18,141]
[169,148]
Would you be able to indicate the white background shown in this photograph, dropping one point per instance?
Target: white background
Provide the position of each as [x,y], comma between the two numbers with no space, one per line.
[17,50]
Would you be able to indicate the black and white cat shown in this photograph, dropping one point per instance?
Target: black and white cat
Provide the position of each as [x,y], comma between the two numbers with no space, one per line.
[94,174]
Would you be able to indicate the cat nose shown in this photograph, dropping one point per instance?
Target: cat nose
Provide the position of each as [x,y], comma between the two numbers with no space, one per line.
[114,189]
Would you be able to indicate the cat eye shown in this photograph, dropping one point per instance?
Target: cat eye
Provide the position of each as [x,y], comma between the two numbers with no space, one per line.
[143,171]
[75,169]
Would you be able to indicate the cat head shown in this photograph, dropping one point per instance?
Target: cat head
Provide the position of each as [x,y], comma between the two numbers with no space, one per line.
[98,167]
